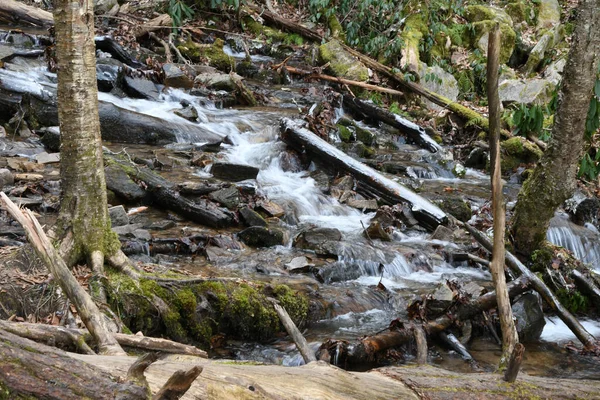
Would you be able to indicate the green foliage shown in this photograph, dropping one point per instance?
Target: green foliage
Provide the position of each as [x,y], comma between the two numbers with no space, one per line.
[395,108]
[528,120]
[589,165]
[179,11]
[573,300]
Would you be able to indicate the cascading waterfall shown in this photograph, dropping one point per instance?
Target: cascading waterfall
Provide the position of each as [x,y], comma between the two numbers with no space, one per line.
[583,242]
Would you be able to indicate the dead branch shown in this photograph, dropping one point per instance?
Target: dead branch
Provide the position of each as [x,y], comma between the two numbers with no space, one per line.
[307,354]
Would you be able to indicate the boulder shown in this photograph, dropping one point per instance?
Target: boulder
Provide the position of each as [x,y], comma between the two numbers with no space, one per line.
[530,322]
[548,14]
[6,178]
[251,217]
[376,230]
[342,63]
[175,77]
[457,207]
[259,236]
[107,74]
[229,197]
[104,6]
[118,216]
[516,151]
[271,209]
[51,137]
[233,172]
[442,233]
[483,19]
[122,185]
[363,204]
[553,72]
[218,81]
[526,91]
[438,81]
[545,44]
[320,240]
[47,158]
[140,88]
[190,113]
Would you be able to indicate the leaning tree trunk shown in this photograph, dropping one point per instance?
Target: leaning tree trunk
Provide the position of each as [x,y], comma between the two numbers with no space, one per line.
[553,180]
[83,211]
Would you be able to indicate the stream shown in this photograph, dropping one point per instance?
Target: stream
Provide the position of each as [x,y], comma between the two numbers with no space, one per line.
[413,263]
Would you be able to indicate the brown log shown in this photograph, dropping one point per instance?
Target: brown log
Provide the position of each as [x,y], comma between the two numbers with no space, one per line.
[509,331]
[63,337]
[178,384]
[15,12]
[307,354]
[160,22]
[587,339]
[288,25]
[421,341]
[514,364]
[87,309]
[364,350]
[307,142]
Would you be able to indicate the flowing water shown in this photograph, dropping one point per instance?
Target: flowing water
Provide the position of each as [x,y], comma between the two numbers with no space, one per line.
[413,264]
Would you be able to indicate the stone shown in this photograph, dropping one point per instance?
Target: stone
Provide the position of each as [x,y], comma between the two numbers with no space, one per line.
[545,44]
[140,88]
[530,321]
[47,158]
[175,77]
[2,132]
[106,75]
[104,6]
[218,81]
[376,230]
[271,209]
[442,233]
[125,230]
[342,63]
[6,178]
[548,14]
[142,234]
[517,151]
[365,205]
[477,158]
[299,265]
[553,72]
[51,138]
[160,225]
[259,236]
[233,172]
[24,131]
[507,41]
[121,184]
[526,91]
[190,113]
[438,81]
[228,197]
[318,239]
[457,207]
[344,183]
[478,13]
[251,217]
[118,216]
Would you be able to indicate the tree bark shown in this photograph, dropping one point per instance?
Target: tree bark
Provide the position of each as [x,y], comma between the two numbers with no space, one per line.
[509,332]
[553,179]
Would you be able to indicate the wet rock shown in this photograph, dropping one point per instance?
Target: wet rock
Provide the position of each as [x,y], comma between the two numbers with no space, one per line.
[530,322]
[107,74]
[140,88]
[104,6]
[477,158]
[126,230]
[121,184]
[271,209]
[376,230]
[118,216]
[365,205]
[198,188]
[51,138]
[175,77]
[442,233]
[526,91]
[344,183]
[290,162]
[160,225]
[142,234]
[321,180]
[2,132]
[443,83]
[517,151]
[320,240]
[457,207]
[6,178]
[299,265]
[583,209]
[229,197]
[258,236]
[218,81]
[342,63]
[252,218]
[189,113]
[440,300]
[233,172]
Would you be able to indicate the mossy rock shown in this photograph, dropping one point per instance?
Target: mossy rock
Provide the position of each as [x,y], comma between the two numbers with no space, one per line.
[345,133]
[457,207]
[341,63]
[517,151]
[478,13]
[518,11]
[363,150]
[507,41]
[214,54]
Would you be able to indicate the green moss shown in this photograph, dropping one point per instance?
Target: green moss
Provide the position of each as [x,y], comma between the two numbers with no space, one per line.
[344,133]
[518,11]
[214,54]
[363,150]
[365,136]
[517,151]
[335,28]
[294,303]
[507,34]
[456,207]
[476,13]
[458,34]
[341,63]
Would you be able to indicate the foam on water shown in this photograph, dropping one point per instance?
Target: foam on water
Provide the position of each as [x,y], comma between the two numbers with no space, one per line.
[556,330]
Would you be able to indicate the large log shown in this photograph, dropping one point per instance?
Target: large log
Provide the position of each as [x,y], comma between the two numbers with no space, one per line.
[165,194]
[304,140]
[369,110]
[15,12]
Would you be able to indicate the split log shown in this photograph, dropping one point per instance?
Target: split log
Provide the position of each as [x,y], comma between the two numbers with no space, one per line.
[87,309]
[587,339]
[421,341]
[63,337]
[304,140]
[15,12]
[165,194]
[514,364]
[368,110]
[307,354]
[363,351]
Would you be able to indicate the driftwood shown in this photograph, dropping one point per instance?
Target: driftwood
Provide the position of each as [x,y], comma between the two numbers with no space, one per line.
[165,194]
[87,309]
[305,141]
[364,350]
[178,384]
[16,12]
[452,342]
[109,45]
[587,339]
[421,341]
[307,354]
[514,364]
[417,134]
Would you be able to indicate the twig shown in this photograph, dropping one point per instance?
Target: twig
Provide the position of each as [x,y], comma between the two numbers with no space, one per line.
[164,44]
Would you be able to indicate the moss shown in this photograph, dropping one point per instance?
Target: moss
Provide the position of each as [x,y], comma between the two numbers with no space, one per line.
[341,63]
[365,136]
[456,207]
[363,150]
[214,54]
[518,11]
[476,13]
[458,34]
[507,34]
[517,151]
[249,24]
[294,303]
[335,28]
[344,133]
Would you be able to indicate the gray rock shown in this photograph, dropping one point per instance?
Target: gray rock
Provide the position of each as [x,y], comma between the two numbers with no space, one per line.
[217,81]
[6,178]
[140,88]
[439,81]
[271,209]
[553,72]
[122,185]
[530,322]
[104,6]
[342,63]
[127,229]
[160,225]
[233,172]
[252,218]
[51,138]
[118,216]
[175,77]
[548,14]
[368,205]
[107,75]
[47,158]
[142,234]
[545,44]
[189,113]
[320,240]
[258,236]
[229,197]
[299,265]
[442,233]
[2,132]
[527,91]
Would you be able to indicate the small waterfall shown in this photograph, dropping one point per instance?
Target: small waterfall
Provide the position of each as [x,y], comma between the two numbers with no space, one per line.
[583,242]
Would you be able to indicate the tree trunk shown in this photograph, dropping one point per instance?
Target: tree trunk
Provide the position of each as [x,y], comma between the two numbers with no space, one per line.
[509,332]
[553,180]
[83,205]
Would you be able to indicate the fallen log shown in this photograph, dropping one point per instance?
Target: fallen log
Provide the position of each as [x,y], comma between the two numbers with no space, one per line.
[160,22]
[304,140]
[368,110]
[307,354]
[165,194]
[364,350]
[87,309]
[587,286]
[63,337]
[587,339]
[15,12]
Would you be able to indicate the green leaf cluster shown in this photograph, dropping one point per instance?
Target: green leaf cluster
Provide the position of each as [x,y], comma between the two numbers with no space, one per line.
[589,166]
